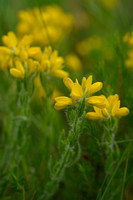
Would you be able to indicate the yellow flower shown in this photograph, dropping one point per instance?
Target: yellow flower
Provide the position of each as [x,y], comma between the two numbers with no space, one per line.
[129,60]
[46,25]
[52,64]
[62,102]
[32,66]
[78,92]
[14,48]
[19,71]
[112,108]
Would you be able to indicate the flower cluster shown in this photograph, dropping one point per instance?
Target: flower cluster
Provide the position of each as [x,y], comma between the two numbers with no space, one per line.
[78,92]
[112,108]
[46,25]
[104,107]
[23,59]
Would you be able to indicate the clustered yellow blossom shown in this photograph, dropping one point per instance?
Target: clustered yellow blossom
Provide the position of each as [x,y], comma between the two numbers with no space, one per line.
[14,48]
[111,109]
[78,92]
[47,25]
[52,63]
[104,107]
[22,59]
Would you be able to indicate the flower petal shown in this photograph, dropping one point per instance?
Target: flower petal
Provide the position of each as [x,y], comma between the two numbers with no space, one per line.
[76,91]
[68,82]
[62,102]
[95,88]
[93,116]
[122,112]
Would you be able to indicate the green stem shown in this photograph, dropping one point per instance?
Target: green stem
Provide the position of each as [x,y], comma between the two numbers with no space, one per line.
[66,158]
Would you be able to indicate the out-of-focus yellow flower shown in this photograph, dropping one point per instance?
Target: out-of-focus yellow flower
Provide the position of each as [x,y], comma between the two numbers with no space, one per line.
[14,48]
[32,66]
[52,64]
[128,38]
[78,92]
[73,62]
[46,25]
[35,53]
[18,71]
[87,45]
[112,109]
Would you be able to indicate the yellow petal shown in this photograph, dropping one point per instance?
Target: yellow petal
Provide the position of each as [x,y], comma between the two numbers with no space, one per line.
[115,108]
[19,66]
[93,116]
[23,55]
[88,82]
[98,111]
[16,73]
[62,102]
[59,73]
[33,66]
[95,88]
[35,52]
[5,50]
[83,82]
[76,91]
[105,112]
[10,39]
[122,112]
[68,82]
[98,101]
[112,99]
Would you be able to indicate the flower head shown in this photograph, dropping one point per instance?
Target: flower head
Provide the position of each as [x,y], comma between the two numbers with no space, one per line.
[46,25]
[52,64]
[14,48]
[112,109]
[78,92]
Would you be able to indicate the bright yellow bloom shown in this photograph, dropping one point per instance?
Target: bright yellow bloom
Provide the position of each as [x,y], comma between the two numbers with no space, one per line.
[52,64]
[46,25]
[129,60]
[78,92]
[62,102]
[14,48]
[19,71]
[112,108]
